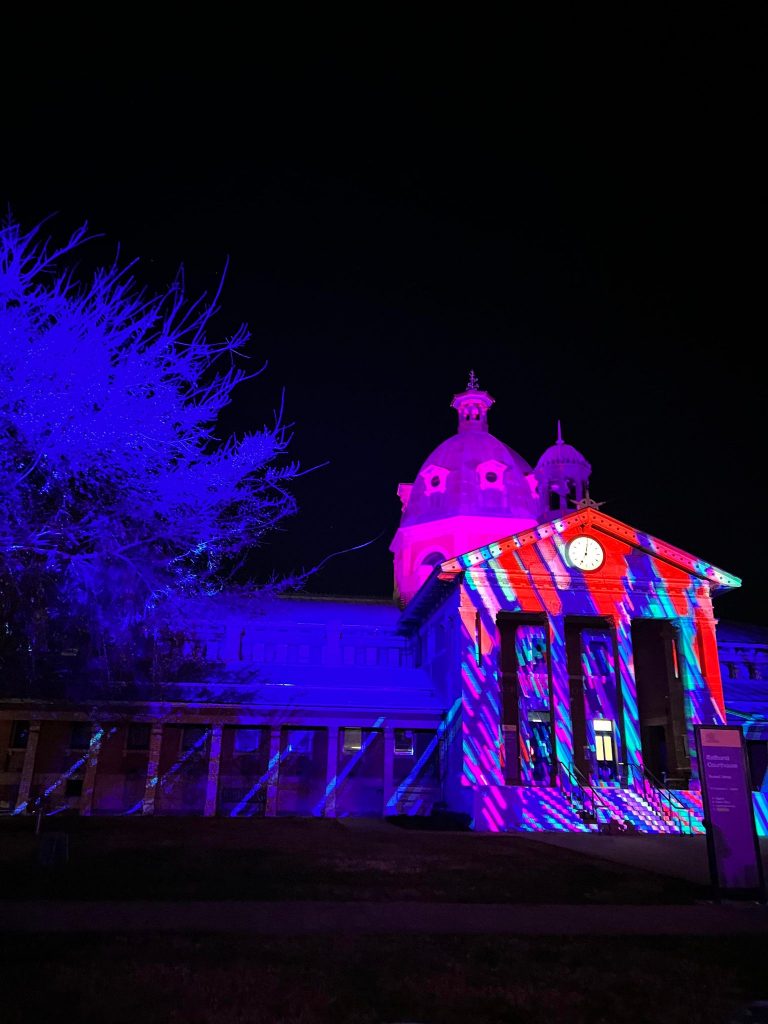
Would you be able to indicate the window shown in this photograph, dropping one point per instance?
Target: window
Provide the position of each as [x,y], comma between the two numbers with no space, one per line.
[80,736]
[353,740]
[404,742]
[138,736]
[490,474]
[247,741]
[435,478]
[603,740]
[19,734]
[554,499]
[302,741]
[192,736]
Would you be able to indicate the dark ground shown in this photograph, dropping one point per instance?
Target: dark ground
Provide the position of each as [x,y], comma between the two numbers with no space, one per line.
[204,978]
[314,859]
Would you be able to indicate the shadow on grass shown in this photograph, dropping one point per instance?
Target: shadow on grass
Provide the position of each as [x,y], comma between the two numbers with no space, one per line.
[315,859]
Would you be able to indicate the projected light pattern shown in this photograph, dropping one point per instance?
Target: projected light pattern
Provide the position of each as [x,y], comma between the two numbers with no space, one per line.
[760,804]
[443,733]
[534,710]
[93,747]
[157,782]
[600,703]
[267,779]
[628,685]
[334,783]
[531,575]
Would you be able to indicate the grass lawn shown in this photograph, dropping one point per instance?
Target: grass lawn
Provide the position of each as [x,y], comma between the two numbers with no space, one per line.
[204,979]
[227,979]
[305,859]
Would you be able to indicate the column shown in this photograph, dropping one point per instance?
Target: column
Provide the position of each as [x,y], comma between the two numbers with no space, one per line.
[561,691]
[274,770]
[389,767]
[633,751]
[28,768]
[91,765]
[153,766]
[713,710]
[331,772]
[214,763]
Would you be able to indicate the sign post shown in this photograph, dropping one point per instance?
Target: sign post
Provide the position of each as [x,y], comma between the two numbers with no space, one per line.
[734,853]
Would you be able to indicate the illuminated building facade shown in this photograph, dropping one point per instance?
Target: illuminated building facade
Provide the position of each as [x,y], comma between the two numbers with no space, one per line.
[541,668]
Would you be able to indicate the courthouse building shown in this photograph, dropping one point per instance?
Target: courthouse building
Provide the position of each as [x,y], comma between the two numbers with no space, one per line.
[541,666]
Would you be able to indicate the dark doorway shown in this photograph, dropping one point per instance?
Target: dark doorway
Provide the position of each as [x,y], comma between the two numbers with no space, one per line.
[654,739]
[660,702]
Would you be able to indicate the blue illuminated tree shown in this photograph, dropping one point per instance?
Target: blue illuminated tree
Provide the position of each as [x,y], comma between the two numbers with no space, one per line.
[119,500]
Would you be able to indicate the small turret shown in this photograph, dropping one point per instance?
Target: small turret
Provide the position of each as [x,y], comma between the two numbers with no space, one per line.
[472,405]
[562,473]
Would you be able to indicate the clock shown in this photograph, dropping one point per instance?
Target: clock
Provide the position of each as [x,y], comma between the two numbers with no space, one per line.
[585,553]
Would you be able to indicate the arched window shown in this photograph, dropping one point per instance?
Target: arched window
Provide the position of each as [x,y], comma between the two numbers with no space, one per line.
[426,566]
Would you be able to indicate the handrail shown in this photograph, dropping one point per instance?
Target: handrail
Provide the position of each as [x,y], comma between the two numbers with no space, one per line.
[577,779]
[662,791]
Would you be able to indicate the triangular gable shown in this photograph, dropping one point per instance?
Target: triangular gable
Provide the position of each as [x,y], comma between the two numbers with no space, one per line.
[447,574]
[600,523]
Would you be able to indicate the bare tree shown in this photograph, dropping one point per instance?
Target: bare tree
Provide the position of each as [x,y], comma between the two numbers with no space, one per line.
[119,500]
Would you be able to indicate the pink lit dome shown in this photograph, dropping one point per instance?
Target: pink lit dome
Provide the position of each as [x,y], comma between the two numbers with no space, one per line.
[473,489]
[472,473]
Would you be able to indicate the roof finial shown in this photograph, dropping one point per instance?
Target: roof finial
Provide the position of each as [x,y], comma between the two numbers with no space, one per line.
[559,433]
[473,384]
[587,502]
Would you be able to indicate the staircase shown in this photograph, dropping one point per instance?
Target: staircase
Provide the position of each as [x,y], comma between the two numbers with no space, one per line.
[576,806]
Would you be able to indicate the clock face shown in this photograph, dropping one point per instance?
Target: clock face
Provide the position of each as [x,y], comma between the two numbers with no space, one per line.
[585,553]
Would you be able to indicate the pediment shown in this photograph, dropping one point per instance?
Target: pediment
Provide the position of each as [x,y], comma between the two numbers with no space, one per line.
[602,527]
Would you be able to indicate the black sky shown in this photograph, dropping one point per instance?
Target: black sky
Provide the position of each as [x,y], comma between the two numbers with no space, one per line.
[580,219]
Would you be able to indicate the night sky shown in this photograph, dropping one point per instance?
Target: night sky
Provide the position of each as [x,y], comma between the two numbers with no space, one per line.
[579,220]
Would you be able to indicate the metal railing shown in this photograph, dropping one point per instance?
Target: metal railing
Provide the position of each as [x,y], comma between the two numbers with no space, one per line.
[584,797]
[662,799]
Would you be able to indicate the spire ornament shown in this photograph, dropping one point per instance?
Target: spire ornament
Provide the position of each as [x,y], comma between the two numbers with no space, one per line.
[473,384]
[587,502]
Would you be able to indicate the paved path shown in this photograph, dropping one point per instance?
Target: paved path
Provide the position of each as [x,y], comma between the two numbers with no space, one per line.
[306,918]
[678,856]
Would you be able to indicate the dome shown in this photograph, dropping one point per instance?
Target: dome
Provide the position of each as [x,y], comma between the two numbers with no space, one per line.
[471,490]
[562,454]
[471,473]
[563,476]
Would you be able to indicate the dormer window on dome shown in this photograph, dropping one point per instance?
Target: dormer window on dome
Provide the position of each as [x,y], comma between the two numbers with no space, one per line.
[435,479]
[491,475]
